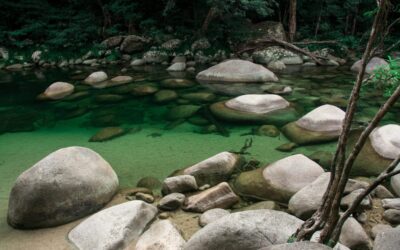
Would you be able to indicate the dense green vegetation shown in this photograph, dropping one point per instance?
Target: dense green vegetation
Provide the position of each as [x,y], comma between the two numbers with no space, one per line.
[72,24]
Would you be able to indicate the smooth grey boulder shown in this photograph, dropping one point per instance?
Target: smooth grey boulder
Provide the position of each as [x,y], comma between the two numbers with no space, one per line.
[162,235]
[388,240]
[215,169]
[386,141]
[59,90]
[236,70]
[179,184]
[395,182]
[348,200]
[96,77]
[391,203]
[304,245]
[354,236]
[178,66]
[64,186]
[379,228]
[372,65]
[257,104]
[113,228]
[220,196]
[250,230]
[171,202]
[212,215]
[392,216]
[306,201]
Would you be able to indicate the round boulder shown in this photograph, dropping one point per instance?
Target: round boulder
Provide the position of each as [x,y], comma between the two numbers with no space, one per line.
[96,77]
[237,71]
[280,180]
[322,124]
[59,90]
[264,108]
[373,64]
[66,185]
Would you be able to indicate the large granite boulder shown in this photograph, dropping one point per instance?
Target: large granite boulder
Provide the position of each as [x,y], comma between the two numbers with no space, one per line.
[66,185]
[320,125]
[133,43]
[113,228]
[58,90]
[381,148]
[245,230]
[388,240]
[264,108]
[161,235]
[216,169]
[233,71]
[276,53]
[280,180]
[373,64]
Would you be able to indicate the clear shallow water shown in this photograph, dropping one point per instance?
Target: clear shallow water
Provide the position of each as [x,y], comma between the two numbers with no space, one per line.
[31,129]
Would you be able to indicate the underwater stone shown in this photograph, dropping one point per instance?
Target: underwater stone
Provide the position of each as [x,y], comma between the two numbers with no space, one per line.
[144,90]
[268,130]
[182,112]
[67,184]
[118,80]
[177,83]
[165,96]
[109,133]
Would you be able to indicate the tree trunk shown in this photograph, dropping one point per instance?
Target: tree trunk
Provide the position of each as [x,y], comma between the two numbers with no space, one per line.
[353,30]
[212,13]
[319,20]
[292,19]
[327,216]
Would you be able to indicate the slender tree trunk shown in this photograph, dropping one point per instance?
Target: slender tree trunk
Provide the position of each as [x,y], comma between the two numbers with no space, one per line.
[354,27]
[319,19]
[292,19]
[212,13]
[327,216]
[346,27]
[106,18]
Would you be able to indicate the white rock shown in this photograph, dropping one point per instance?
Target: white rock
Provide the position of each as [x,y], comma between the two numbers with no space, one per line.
[212,215]
[258,104]
[276,65]
[114,227]
[372,65]
[292,173]
[354,236]
[171,202]
[237,71]
[303,245]
[306,201]
[388,240]
[326,118]
[178,66]
[293,60]
[386,140]
[138,62]
[391,203]
[121,80]
[179,184]
[96,77]
[36,56]
[214,169]
[245,230]
[379,228]
[162,235]
[68,184]
[395,182]
[59,90]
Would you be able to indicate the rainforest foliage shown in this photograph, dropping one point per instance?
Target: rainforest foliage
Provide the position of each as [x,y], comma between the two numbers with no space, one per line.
[76,23]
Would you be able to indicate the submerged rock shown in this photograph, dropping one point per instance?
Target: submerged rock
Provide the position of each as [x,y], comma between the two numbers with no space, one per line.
[165,96]
[70,183]
[199,97]
[215,169]
[108,133]
[59,90]
[236,71]
[144,90]
[161,235]
[220,196]
[245,230]
[280,180]
[119,80]
[266,108]
[320,125]
[177,83]
[182,112]
[113,228]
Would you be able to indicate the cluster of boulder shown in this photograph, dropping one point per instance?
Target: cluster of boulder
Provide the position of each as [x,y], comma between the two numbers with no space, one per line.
[74,182]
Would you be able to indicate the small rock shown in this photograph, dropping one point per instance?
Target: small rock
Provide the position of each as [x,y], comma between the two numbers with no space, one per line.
[149,182]
[179,184]
[211,216]
[388,240]
[96,77]
[118,80]
[348,200]
[171,202]
[272,205]
[381,192]
[204,187]
[138,62]
[391,203]
[392,216]
[145,197]
[108,133]
[287,147]
[179,66]
[165,96]
[59,90]
[268,130]
[144,90]
[164,215]
[220,196]
[379,228]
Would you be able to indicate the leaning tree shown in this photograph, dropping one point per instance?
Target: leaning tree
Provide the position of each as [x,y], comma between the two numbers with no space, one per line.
[328,218]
